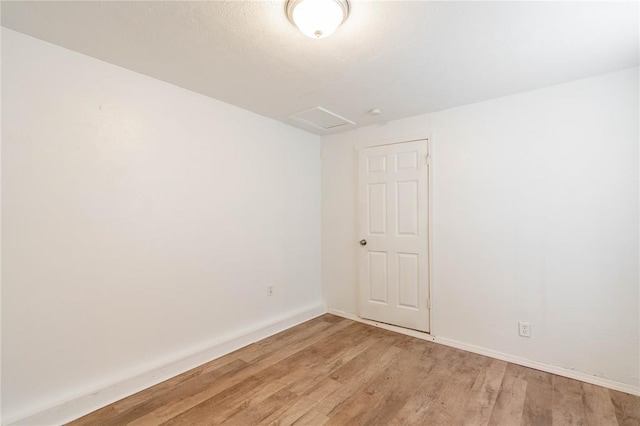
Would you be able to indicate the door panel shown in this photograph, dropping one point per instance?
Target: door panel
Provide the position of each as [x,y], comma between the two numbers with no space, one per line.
[408,280]
[377,164]
[377,208]
[393,210]
[379,283]
[407,207]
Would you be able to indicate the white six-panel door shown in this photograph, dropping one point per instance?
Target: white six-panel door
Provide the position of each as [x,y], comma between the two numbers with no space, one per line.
[394,216]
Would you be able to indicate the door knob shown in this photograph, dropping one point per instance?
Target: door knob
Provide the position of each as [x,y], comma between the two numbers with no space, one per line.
[363,242]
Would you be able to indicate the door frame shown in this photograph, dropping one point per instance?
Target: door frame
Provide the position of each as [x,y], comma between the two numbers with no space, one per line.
[360,145]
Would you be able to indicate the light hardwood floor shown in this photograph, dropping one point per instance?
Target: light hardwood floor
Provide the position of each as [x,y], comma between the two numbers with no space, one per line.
[332,370]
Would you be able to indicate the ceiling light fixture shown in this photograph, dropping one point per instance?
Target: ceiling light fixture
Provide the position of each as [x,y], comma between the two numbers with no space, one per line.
[317,18]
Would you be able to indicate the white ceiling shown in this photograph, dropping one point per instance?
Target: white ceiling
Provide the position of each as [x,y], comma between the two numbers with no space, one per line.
[405,58]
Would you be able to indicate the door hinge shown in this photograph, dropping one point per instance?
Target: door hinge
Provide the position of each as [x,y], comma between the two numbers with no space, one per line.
[426,159]
[428,303]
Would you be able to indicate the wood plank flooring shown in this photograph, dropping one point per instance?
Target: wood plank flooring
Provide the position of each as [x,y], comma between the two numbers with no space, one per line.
[335,371]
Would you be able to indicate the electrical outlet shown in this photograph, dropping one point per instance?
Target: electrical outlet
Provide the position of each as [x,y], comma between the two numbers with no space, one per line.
[270,290]
[524,329]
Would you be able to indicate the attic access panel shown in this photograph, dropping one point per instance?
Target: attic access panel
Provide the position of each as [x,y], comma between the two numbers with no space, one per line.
[321,118]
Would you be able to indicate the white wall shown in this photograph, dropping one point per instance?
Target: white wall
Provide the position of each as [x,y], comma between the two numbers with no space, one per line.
[535,204]
[140,221]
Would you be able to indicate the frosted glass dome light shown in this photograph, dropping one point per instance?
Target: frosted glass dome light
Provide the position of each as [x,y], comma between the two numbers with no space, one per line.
[317,18]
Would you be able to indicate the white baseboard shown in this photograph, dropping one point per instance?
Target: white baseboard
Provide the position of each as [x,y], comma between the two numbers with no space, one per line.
[90,401]
[560,371]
